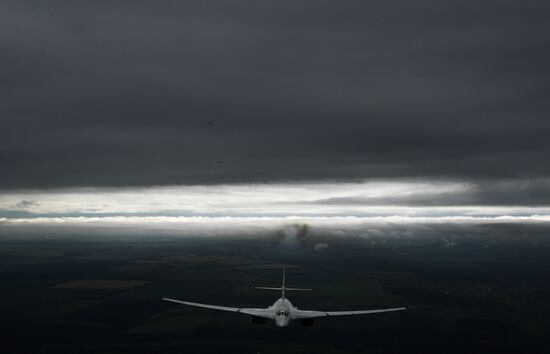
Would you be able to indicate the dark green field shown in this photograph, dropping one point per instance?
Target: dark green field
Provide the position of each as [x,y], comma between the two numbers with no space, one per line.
[80,295]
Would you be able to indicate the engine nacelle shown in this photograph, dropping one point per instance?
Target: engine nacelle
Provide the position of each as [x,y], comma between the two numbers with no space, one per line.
[307,322]
[257,320]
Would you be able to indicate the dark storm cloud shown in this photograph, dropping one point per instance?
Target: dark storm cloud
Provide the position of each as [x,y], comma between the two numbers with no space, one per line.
[121,93]
[293,234]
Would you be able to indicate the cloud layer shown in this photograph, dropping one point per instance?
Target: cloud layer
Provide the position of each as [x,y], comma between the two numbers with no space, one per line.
[366,199]
[122,93]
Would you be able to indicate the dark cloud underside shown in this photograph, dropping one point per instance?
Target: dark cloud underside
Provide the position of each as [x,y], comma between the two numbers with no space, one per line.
[120,93]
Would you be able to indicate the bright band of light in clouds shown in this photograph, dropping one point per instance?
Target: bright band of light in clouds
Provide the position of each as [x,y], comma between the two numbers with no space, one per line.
[223,199]
[278,227]
[396,201]
[271,221]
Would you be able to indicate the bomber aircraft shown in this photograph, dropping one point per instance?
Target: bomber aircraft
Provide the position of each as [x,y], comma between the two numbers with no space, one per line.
[282,311]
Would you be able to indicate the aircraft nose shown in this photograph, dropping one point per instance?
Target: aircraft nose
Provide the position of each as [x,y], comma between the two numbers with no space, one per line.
[280,321]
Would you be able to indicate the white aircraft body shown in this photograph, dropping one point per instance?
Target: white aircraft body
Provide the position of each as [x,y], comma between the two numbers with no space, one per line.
[282,311]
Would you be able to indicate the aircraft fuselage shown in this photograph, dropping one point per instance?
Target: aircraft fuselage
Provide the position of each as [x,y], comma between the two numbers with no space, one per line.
[282,312]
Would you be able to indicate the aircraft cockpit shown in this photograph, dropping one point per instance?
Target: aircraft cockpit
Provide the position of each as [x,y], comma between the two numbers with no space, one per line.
[282,313]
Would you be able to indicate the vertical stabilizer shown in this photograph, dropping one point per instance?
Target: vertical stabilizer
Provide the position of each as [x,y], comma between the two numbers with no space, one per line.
[283,287]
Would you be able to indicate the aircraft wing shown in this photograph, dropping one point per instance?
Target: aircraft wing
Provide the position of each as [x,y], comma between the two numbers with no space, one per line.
[266,313]
[301,314]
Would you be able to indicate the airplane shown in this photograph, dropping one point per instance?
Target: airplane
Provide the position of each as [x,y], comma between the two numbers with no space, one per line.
[282,311]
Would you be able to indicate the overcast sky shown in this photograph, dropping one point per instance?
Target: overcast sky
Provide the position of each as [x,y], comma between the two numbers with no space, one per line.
[110,94]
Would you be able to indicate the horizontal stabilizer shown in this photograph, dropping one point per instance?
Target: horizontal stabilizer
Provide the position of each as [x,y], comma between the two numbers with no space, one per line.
[267,288]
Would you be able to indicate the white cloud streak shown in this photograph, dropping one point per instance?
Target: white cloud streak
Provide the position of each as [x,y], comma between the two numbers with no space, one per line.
[254,198]
[228,222]
[262,205]
[282,198]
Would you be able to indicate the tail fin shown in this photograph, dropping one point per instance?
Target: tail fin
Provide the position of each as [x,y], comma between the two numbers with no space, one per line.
[283,288]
